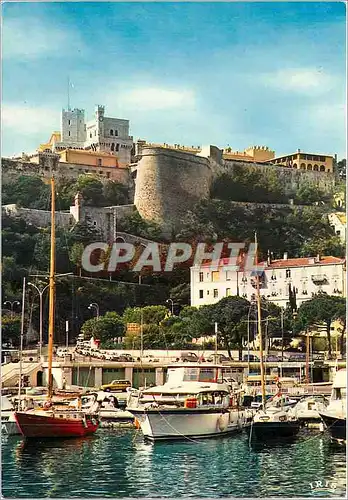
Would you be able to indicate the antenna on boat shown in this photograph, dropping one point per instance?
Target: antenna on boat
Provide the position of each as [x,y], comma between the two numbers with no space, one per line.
[51,293]
[258,299]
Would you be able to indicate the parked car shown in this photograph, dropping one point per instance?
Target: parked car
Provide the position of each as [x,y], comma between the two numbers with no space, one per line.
[272,357]
[219,358]
[250,357]
[189,356]
[61,352]
[116,385]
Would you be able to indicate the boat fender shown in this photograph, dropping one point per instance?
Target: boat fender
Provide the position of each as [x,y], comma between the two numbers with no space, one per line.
[221,423]
[94,421]
[47,405]
[84,421]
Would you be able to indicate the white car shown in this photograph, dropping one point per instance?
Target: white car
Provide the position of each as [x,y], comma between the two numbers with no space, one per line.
[62,352]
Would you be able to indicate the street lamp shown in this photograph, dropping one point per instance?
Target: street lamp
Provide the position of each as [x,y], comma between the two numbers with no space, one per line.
[12,304]
[40,292]
[172,303]
[94,305]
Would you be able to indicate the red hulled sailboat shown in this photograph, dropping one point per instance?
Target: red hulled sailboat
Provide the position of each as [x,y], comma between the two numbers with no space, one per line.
[52,421]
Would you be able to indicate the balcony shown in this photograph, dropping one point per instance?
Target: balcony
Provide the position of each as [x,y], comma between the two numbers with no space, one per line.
[319,279]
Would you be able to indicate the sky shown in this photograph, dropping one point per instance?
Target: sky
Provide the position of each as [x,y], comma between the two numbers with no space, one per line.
[228,74]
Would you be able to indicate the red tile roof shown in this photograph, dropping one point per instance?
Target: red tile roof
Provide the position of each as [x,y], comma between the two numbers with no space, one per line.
[303,261]
[284,263]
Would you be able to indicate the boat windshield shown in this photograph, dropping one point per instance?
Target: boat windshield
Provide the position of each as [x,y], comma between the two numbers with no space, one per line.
[203,374]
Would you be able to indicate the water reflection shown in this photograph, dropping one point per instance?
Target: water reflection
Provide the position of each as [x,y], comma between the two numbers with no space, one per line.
[121,464]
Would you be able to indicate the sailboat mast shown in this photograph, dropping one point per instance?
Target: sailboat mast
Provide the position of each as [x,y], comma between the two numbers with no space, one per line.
[259,328]
[21,343]
[51,291]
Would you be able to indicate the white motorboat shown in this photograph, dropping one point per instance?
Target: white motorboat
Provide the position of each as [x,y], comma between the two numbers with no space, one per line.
[8,422]
[307,409]
[106,406]
[335,414]
[195,402]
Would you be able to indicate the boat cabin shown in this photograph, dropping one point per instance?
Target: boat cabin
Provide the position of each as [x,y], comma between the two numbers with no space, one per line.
[195,373]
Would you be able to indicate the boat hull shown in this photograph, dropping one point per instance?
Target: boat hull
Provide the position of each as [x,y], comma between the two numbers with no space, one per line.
[264,431]
[10,428]
[42,425]
[336,426]
[176,424]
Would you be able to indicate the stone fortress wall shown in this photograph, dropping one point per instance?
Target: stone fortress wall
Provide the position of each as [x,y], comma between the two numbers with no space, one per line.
[169,182]
[45,165]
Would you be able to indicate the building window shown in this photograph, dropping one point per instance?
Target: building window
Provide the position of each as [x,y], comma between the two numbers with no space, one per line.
[111,132]
[112,147]
[99,162]
[294,165]
[90,135]
[201,294]
[116,132]
[316,168]
[303,166]
[117,147]
[69,133]
[288,273]
[309,166]
[108,175]
[338,233]
[215,275]
[94,223]
[228,292]
[69,122]
[216,293]
[322,168]
[201,277]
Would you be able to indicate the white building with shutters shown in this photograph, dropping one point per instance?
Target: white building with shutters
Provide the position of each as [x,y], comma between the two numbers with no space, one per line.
[308,276]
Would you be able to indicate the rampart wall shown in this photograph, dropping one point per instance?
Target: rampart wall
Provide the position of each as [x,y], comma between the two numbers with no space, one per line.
[48,165]
[170,182]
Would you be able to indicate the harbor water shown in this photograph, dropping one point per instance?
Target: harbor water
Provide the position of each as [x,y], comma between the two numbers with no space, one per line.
[118,463]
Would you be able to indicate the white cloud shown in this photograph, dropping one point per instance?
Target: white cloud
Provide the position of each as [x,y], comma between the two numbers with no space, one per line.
[300,80]
[30,39]
[146,99]
[25,124]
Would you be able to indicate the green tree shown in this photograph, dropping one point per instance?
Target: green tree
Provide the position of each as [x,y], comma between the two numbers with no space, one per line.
[10,329]
[146,315]
[322,308]
[27,191]
[75,256]
[308,194]
[91,189]
[135,224]
[115,193]
[104,328]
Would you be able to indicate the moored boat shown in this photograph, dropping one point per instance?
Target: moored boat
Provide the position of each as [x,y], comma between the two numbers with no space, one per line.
[335,414]
[8,421]
[56,423]
[194,403]
[52,421]
[307,410]
[274,423]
